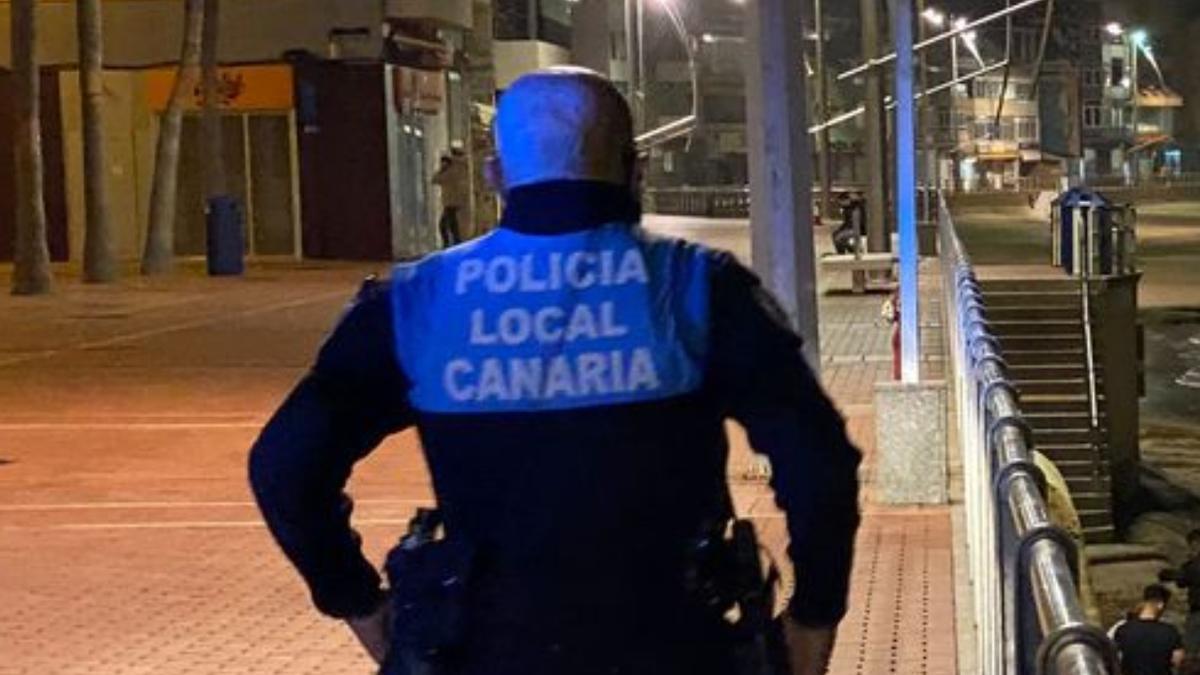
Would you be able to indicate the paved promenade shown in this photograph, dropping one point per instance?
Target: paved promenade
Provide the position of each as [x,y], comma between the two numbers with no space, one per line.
[128,540]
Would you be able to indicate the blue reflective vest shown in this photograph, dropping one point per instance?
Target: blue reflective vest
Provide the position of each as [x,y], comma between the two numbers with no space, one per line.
[517,322]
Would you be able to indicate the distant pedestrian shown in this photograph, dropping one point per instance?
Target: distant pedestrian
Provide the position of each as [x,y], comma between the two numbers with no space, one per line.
[1148,645]
[846,236]
[1188,576]
[454,182]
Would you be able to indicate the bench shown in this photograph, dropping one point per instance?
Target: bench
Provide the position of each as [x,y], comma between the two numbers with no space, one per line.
[858,264]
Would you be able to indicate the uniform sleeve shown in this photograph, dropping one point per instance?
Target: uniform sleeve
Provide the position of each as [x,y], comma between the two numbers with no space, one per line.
[767,386]
[351,399]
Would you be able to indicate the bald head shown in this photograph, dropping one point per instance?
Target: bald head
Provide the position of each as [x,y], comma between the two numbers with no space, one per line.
[563,124]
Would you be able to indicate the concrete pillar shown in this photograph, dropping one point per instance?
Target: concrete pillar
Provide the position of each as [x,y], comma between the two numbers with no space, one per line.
[781,163]
[1117,333]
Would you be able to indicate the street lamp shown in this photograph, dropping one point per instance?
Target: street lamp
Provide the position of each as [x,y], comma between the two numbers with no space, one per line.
[934,17]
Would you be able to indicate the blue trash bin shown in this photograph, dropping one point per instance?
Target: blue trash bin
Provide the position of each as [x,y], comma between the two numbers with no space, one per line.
[1067,202]
[225,236]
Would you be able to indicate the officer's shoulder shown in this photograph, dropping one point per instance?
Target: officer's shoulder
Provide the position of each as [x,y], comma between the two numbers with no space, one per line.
[686,248]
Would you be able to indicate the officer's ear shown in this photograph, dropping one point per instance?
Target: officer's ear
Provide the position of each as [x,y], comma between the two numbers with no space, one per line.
[493,173]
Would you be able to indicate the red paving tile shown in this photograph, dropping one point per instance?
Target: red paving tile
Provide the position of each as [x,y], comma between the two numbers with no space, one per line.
[129,543]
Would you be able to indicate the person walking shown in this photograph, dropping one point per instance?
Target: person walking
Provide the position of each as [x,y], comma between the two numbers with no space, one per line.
[570,376]
[1147,644]
[1188,577]
[454,184]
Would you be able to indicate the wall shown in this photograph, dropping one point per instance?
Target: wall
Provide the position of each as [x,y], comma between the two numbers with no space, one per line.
[147,32]
[517,57]
[129,134]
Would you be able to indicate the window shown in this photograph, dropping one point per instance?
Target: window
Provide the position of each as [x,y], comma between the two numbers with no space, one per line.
[1116,74]
[1027,129]
[1092,117]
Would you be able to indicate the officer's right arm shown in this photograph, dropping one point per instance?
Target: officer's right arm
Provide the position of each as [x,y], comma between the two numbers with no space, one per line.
[339,412]
[768,387]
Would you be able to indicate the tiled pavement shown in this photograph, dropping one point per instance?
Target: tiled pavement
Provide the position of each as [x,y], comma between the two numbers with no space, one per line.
[128,543]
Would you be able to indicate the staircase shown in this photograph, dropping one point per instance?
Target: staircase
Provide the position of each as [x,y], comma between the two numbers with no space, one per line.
[1039,323]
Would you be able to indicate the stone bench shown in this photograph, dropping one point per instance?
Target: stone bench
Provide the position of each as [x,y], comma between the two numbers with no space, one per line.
[858,264]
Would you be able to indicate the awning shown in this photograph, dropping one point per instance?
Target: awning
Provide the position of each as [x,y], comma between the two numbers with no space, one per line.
[1151,142]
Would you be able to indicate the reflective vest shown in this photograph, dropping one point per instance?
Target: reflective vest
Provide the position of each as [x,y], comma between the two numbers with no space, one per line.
[515,322]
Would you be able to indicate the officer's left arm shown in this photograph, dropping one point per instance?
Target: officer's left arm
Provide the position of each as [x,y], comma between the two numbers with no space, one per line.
[769,388]
[339,412]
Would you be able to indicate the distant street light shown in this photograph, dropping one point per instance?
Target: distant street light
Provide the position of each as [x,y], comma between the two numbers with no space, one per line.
[935,17]
[1114,29]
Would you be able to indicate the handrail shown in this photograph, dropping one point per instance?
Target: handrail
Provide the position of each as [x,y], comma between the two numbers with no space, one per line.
[1089,347]
[1022,566]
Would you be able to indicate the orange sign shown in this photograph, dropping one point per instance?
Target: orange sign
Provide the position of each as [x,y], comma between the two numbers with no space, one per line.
[259,87]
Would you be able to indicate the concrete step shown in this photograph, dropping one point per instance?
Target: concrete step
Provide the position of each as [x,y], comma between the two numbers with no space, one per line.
[1092,501]
[1038,343]
[1034,313]
[1046,371]
[997,299]
[1056,404]
[1065,453]
[1064,285]
[1004,329]
[1059,437]
[1100,534]
[1024,357]
[1061,420]
[1056,387]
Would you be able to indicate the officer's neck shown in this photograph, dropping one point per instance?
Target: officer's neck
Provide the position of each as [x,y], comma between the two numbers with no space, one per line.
[561,206]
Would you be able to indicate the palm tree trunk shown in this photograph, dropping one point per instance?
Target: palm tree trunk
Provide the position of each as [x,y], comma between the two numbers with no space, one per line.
[31,271]
[159,253]
[99,258]
[214,145]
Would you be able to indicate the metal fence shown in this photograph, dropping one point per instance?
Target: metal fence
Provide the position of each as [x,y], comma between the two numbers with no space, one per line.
[710,202]
[1029,620]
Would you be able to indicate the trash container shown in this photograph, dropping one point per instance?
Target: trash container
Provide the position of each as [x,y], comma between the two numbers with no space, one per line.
[225,237]
[1073,229]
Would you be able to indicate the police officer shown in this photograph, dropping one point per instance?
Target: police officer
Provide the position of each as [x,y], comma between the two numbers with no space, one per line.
[570,376]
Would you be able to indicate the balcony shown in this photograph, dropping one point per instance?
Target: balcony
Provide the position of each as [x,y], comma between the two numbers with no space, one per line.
[443,13]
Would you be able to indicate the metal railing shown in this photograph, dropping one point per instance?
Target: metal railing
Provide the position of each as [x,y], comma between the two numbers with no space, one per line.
[1022,566]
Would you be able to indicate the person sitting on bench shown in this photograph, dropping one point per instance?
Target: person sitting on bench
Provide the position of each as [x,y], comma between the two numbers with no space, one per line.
[847,235]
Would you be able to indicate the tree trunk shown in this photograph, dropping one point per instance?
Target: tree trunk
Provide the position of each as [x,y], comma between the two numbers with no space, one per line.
[214,145]
[159,253]
[31,255]
[99,258]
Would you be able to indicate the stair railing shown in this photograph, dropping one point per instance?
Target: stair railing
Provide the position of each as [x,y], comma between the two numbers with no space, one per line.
[1029,620]
[1092,227]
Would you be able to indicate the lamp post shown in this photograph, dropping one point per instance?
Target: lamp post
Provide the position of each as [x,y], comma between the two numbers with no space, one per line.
[1136,41]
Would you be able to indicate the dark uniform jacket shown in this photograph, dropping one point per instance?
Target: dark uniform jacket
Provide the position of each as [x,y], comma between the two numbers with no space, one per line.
[570,377]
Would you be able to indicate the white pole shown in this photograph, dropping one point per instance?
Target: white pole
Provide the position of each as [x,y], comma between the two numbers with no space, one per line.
[906,193]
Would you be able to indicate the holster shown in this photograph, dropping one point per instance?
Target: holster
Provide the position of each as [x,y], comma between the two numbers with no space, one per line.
[430,580]
[726,576]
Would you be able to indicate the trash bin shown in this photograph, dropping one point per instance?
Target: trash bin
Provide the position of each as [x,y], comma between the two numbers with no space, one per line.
[225,236]
[1071,222]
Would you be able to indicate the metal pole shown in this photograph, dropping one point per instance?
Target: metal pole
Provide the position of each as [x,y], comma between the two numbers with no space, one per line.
[826,147]
[1133,96]
[956,179]
[876,136]
[906,192]
[641,60]
[780,162]
[631,62]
